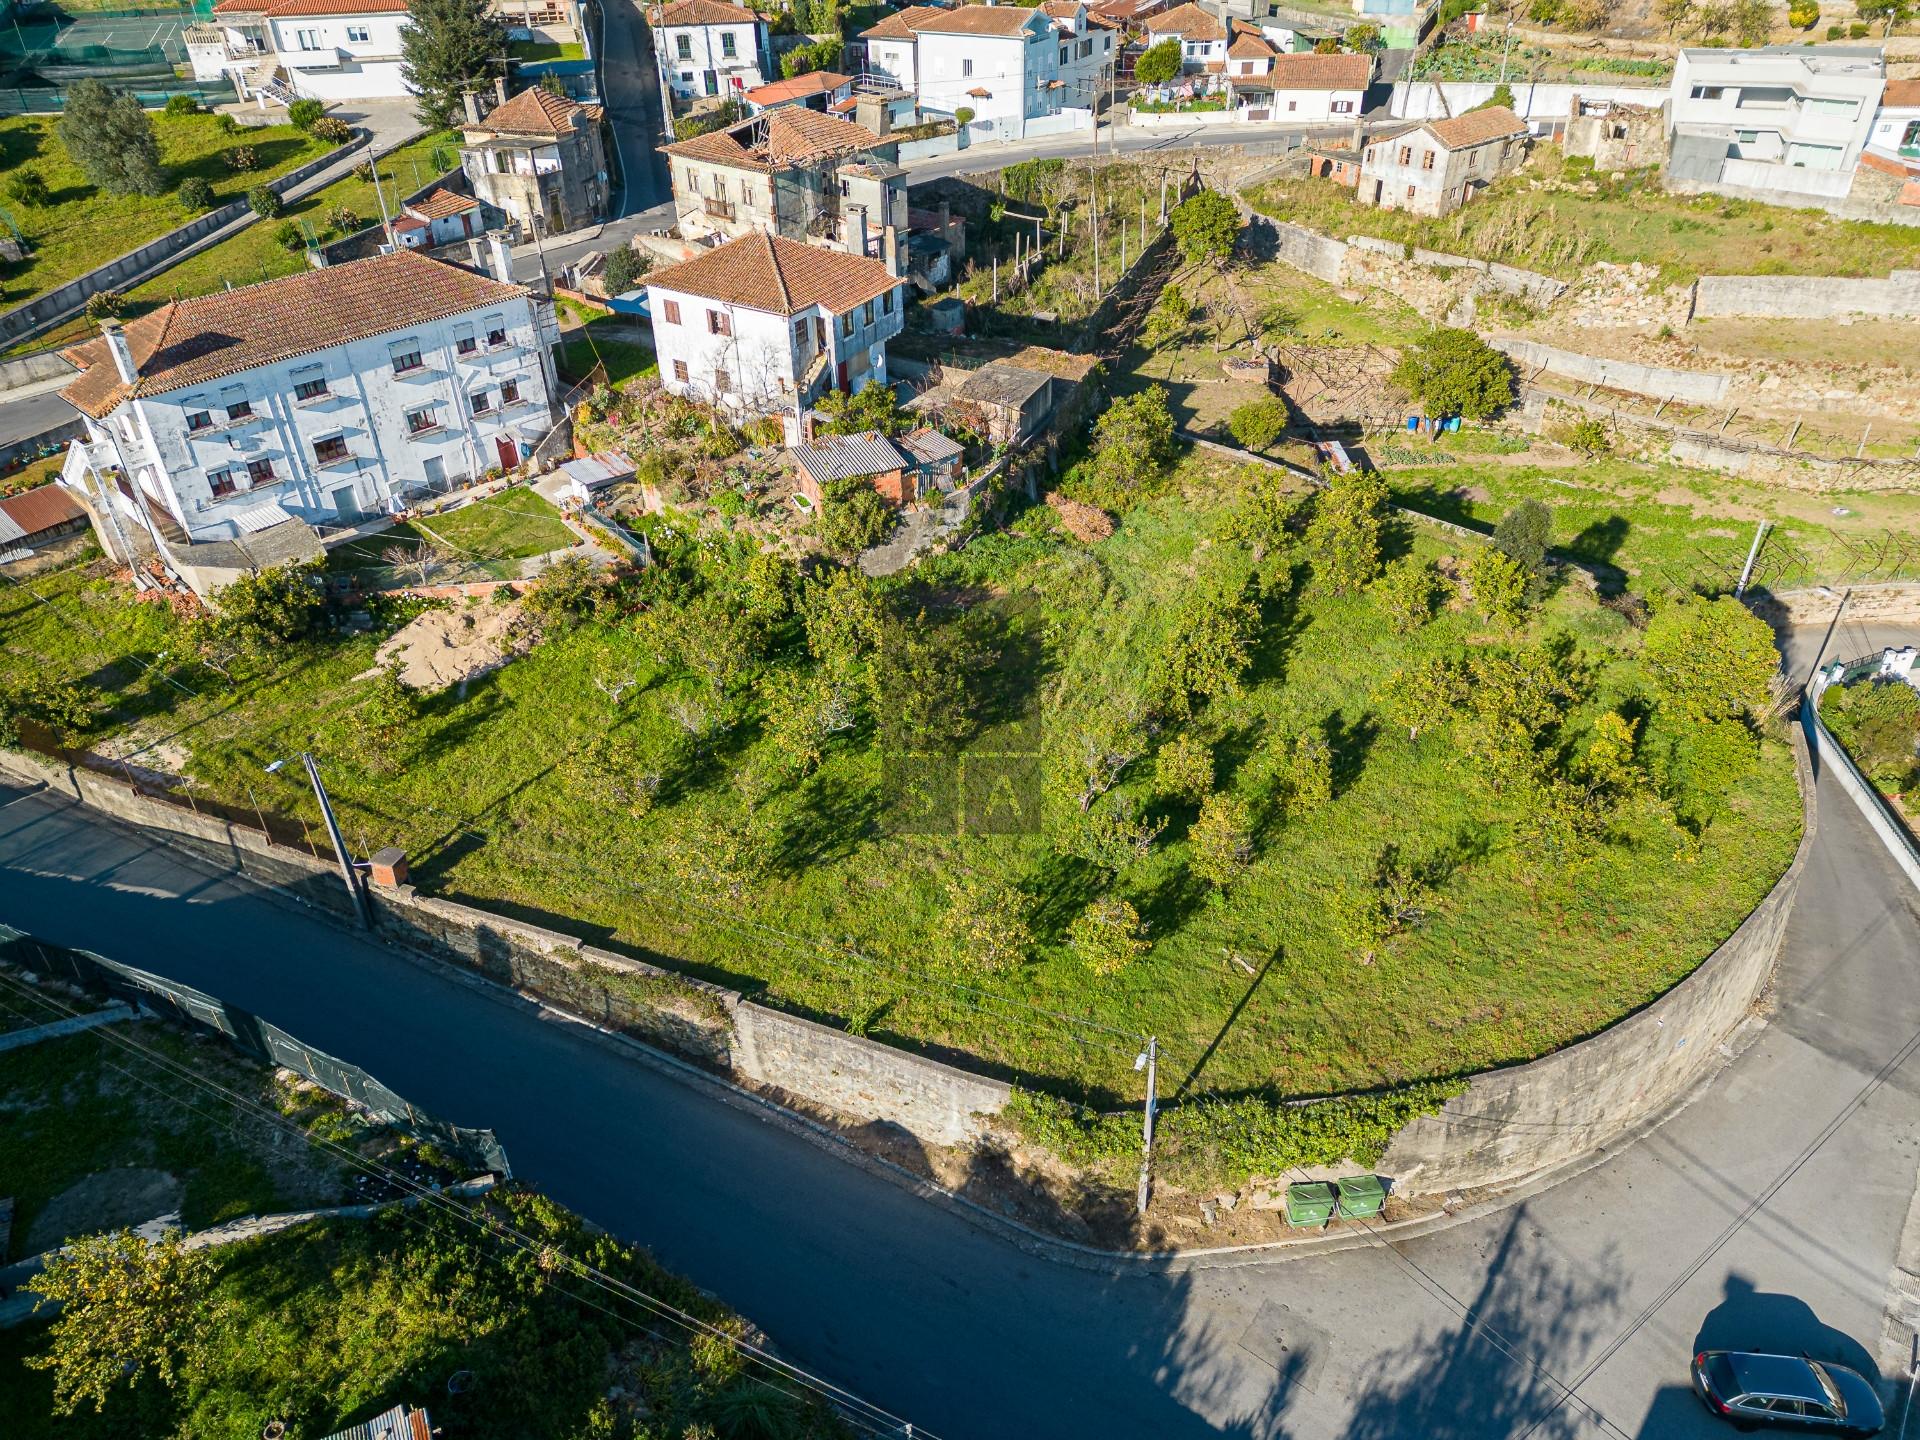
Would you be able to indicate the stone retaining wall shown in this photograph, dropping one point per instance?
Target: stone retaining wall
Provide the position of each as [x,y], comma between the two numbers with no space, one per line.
[1808,297]
[1661,382]
[1893,602]
[1514,1123]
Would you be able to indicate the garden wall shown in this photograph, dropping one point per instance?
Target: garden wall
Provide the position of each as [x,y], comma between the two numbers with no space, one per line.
[64,300]
[1659,381]
[1889,603]
[1809,297]
[710,1025]
[1424,99]
[1514,1123]
[32,369]
[1318,255]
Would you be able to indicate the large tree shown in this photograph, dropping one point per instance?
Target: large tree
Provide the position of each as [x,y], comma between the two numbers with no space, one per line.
[1455,372]
[1158,63]
[447,48]
[1205,226]
[111,139]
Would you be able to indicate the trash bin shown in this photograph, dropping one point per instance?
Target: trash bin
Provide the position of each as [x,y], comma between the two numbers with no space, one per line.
[1361,1197]
[1310,1203]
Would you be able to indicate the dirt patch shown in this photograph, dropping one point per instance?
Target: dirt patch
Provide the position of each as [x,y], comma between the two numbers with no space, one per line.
[1086,523]
[444,647]
[105,1200]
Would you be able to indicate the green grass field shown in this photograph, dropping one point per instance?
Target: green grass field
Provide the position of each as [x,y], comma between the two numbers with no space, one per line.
[509,525]
[1577,219]
[496,797]
[82,227]
[605,338]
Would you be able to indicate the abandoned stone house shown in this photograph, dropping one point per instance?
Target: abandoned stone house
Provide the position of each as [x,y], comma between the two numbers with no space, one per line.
[1433,168]
[1616,135]
[538,157]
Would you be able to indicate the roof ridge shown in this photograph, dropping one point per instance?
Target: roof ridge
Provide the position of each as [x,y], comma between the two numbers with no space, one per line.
[779,272]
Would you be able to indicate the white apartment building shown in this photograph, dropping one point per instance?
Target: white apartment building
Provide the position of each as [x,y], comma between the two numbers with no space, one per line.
[286,50]
[1085,53]
[765,324]
[892,49]
[1001,62]
[709,48]
[323,397]
[1785,118]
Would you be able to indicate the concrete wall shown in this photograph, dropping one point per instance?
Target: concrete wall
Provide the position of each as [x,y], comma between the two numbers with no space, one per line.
[1879,815]
[1660,381]
[1427,100]
[1811,297]
[1892,602]
[1514,1123]
[1320,256]
[32,369]
[64,300]
[712,1026]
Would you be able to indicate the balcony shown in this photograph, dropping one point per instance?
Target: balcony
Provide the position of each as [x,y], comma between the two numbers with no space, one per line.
[718,209]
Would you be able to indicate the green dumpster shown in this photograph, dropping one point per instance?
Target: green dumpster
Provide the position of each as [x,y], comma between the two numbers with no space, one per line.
[1309,1203]
[1361,1196]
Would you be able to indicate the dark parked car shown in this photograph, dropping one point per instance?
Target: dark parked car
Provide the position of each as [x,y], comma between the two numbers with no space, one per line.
[1786,1392]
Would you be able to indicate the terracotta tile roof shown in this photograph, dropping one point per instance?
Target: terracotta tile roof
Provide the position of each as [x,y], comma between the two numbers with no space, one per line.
[1187,20]
[900,24]
[41,508]
[440,202]
[980,92]
[1061,9]
[703,12]
[277,8]
[1477,127]
[1321,72]
[189,342]
[777,140]
[976,20]
[1884,164]
[532,112]
[1252,47]
[815,82]
[1901,95]
[777,275]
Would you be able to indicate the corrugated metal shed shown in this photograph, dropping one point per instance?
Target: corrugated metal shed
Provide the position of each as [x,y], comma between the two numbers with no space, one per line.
[839,456]
[930,447]
[402,1422]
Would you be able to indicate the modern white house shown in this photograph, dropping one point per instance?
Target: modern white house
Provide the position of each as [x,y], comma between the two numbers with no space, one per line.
[709,48]
[766,324]
[1309,88]
[892,49]
[319,399]
[1003,63]
[1896,128]
[1786,119]
[284,50]
[1085,55]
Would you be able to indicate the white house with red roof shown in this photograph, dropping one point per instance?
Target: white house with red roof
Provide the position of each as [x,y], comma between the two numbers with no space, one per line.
[709,48]
[764,324]
[821,90]
[1015,69]
[330,50]
[1203,39]
[323,397]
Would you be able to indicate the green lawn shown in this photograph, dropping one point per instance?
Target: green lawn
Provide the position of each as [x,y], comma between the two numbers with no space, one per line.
[1576,218]
[82,227]
[606,339]
[497,794]
[534,52]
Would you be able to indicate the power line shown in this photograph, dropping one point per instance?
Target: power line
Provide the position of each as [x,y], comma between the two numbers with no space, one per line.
[868,1416]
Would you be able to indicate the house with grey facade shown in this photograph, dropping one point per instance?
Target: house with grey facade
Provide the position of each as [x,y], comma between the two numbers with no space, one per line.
[538,157]
[1434,168]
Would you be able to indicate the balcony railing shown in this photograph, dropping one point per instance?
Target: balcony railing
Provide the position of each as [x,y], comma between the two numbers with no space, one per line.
[718,209]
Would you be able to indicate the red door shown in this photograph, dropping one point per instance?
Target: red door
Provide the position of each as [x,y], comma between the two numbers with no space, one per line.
[509,452]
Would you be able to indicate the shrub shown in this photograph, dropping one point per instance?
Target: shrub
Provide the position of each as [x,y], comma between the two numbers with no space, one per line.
[853,517]
[1159,63]
[1304,770]
[226,124]
[986,921]
[1344,534]
[625,266]
[1133,446]
[565,592]
[1859,30]
[28,187]
[1258,423]
[334,132]
[111,139]
[302,114]
[242,158]
[1183,770]
[963,117]
[343,221]
[261,613]
[1455,372]
[1589,437]
[196,193]
[64,709]
[1879,723]
[182,105]
[1522,536]
[1500,585]
[1220,845]
[289,236]
[1407,590]
[1803,14]
[1108,935]
[104,304]
[264,202]
[1711,659]
[1205,226]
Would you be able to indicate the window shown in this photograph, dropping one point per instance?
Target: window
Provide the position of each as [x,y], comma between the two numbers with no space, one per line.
[729,44]
[1292,105]
[1343,107]
[479,403]
[239,410]
[800,334]
[683,46]
[719,323]
[868,317]
[406,357]
[220,482]
[846,324]
[310,389]
[1064,49]
[671,310]
[1708,92]
[509,392]
[465,344]
[1426,160]
[1406,154]
[496,336]
[966,67]
[329,450]
[1473,159]
[1410,191]
[722,382]
[199,420]
[307,39]
[1086,48]
[259,472]
[1370,154]
[422,419]
[886,303]
[358,34]
[680,371]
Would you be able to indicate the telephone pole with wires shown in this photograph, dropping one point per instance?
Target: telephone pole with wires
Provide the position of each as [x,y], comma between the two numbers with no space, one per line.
[1148,1060]
[347,871]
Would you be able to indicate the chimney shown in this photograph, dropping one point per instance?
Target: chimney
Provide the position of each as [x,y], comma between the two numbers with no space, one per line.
[874,113]
[122,352]
[946,218]
[473,107]
[502,257]
[890,249]
[499,89]
[857,238]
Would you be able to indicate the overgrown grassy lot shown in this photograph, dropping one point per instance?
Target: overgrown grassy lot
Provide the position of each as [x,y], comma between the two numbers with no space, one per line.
[529,790]
[508,525]
[605,338]
[1559,217]
[81,227]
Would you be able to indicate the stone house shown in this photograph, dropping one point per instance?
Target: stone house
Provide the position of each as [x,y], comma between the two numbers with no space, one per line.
[1433,168]
[791,172]
[539,158]
[709,48]
[1616,135]
[766,324]
[322,398]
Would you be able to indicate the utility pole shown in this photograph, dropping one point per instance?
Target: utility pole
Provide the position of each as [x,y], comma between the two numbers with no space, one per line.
[347,872]
[1746,571]
[1150,1060]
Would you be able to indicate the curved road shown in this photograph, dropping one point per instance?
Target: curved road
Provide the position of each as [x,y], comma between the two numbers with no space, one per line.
[1768,1213]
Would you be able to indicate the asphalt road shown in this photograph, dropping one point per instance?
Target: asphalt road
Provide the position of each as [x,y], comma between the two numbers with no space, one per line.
[1768,1213]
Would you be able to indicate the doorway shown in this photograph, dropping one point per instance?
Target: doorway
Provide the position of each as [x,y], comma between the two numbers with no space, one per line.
[509,452]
